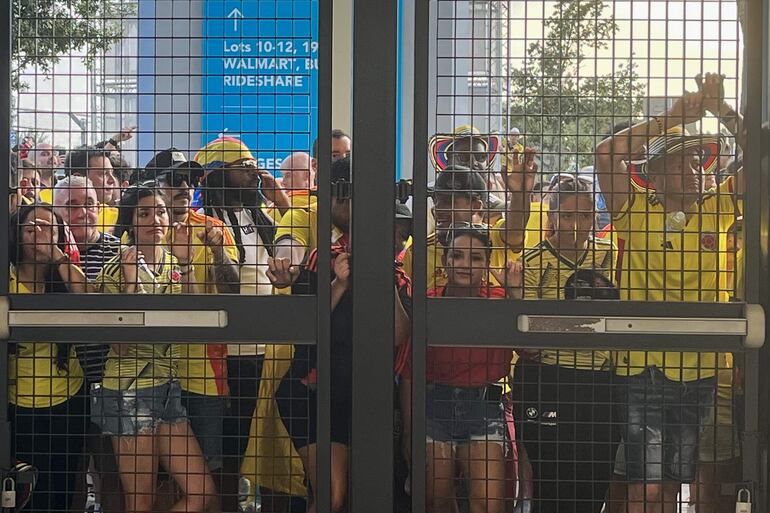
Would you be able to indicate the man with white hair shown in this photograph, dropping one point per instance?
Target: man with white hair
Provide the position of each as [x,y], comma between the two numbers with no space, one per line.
[298,172]
[75,200]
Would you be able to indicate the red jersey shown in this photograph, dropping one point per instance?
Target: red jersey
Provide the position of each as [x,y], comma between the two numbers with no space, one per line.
[465,366]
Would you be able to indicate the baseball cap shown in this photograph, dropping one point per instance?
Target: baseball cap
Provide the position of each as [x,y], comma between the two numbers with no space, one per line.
[173,167]
[164,160]
[460,179]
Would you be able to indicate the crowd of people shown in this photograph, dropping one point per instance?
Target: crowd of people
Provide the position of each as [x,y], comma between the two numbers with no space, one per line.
[218,427]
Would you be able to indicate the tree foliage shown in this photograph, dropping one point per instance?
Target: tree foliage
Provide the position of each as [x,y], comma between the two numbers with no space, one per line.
[46,30]
[560,104]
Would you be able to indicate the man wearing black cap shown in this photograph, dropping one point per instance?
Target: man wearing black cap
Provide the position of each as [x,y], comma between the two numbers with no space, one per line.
[214,257]
[459,197]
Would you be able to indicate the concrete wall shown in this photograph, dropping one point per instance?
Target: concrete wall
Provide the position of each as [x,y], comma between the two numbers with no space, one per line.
[342,65]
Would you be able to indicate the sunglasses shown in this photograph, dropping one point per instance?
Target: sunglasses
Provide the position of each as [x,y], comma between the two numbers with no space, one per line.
[244,164]
[177,177]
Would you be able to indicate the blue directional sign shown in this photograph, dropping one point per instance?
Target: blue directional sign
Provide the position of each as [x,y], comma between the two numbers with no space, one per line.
[260,75]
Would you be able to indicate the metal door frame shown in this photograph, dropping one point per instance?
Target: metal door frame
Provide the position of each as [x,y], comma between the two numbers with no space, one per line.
[437,320]
[268,319]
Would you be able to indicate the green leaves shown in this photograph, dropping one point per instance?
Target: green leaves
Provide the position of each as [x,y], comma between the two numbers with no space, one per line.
[47,30]
[558,100]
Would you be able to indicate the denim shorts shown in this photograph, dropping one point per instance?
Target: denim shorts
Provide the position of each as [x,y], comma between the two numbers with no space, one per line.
[663,421]
[460,415]
[136,411]
[207,415]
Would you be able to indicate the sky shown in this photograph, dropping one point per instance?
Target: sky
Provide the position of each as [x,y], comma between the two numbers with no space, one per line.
[669,42]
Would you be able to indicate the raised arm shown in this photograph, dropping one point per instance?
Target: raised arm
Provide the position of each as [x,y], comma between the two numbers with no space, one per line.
[712,88]
[613,153]
[518,174]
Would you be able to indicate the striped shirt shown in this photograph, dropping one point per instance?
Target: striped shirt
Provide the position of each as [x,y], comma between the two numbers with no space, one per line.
[98,254]
[93,356]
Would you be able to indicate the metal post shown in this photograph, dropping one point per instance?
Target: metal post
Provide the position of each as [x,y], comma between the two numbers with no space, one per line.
[375,39]
[755,224]
[5,159]
[323,447]
[419,257]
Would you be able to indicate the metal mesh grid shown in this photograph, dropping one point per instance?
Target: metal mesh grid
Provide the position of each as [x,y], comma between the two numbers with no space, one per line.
[532,184]
[164,148]
[570,162]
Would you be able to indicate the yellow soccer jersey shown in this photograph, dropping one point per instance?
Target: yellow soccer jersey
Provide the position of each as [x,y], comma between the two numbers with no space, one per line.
[500,254]
[108,218]
[299,199]
[201,367]
[46,195]
[301,225]
[546,273]
[141,365]
[681,266]
[740,284]
[202,257]
[35,381]
[536,224]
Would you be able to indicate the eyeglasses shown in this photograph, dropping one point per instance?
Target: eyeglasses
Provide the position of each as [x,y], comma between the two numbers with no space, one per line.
[243,164]
[87,206]
[468,226]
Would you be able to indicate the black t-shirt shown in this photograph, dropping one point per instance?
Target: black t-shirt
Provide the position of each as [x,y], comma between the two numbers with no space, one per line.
[305,356]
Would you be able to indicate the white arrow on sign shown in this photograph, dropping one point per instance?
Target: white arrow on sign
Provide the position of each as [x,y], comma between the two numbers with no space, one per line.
[235,14]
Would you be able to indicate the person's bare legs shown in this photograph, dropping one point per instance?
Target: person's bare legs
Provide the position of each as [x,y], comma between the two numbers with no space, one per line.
[708,496]
[617,495]
[182,458]
[483,464]
[439,485]
[526,487]
[671,496]
[137,462]
[339,477]
[653,497]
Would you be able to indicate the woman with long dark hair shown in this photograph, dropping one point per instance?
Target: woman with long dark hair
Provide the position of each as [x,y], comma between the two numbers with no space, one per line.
[140,403]
[48,409]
